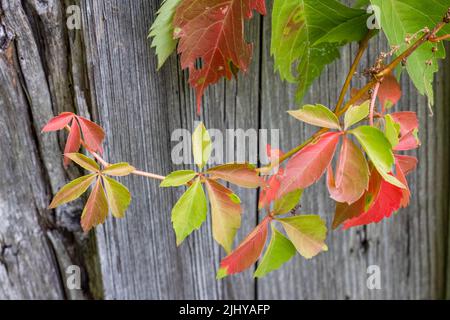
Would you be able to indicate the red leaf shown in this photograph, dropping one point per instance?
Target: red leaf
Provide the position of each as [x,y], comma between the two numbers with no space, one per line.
[406,163]
[270,191]
[388,200]
[390,91]
[407,142]
[406,193]
[93,134]
[407,120]
[409,124]
[309,164]
[58,122]
[352,174]
[73,142]
[403,166]
[213,31]
[247,253]
[344,211]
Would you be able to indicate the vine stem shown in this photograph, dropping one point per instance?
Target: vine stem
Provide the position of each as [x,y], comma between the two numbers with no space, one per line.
[339,110]
[438,39]
[105,163]
[376,79]
[362,48]
[373,102]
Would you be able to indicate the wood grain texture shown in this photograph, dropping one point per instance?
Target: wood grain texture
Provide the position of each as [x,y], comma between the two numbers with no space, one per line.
[140,108]
[108,70]
[36,244]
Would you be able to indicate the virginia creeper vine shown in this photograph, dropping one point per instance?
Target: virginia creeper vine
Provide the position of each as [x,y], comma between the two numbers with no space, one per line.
[368,182]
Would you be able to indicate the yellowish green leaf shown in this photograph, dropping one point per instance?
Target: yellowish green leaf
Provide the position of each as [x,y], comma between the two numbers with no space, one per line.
[73,190]
[178,178]
[119,169]
[83,161]
[391,130]
[279,251]
[287,202]
[119,197]
[356,114]
[201,146]
[189,212]
[307,233]
[317,115]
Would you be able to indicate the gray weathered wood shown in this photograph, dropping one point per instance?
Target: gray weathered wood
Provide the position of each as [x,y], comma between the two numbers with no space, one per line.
[36,244]
[140,107]
[108,70]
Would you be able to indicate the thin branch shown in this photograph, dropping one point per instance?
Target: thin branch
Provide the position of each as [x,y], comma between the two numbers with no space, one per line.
[362,48]
[104,163]
[377,78]
[438,39]
[373,102]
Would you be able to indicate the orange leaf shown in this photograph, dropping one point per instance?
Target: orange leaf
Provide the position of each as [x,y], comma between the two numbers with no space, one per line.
[247,253]
[213,31]
[352,174]
[96,209]
[226,213]
[309,164]
[241,174]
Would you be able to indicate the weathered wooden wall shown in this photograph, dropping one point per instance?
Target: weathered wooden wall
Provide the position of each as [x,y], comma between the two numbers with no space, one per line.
[109,71]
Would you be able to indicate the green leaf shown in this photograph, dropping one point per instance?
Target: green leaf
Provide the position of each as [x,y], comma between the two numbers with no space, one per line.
[356,114]
[296,26]
[178,178]
[119,169]
[307,233]
[391,130]
[379,150]
[279,251]
[376,146]
[317,115]
[349,31]
[73,190]
[189,212]
[361,3]
[226,213]
[287,202]
[400,18]
[83,161]
[162,31]
[201,146]
[119,198]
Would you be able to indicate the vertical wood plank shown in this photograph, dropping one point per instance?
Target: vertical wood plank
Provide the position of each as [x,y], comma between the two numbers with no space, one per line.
[139,108]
